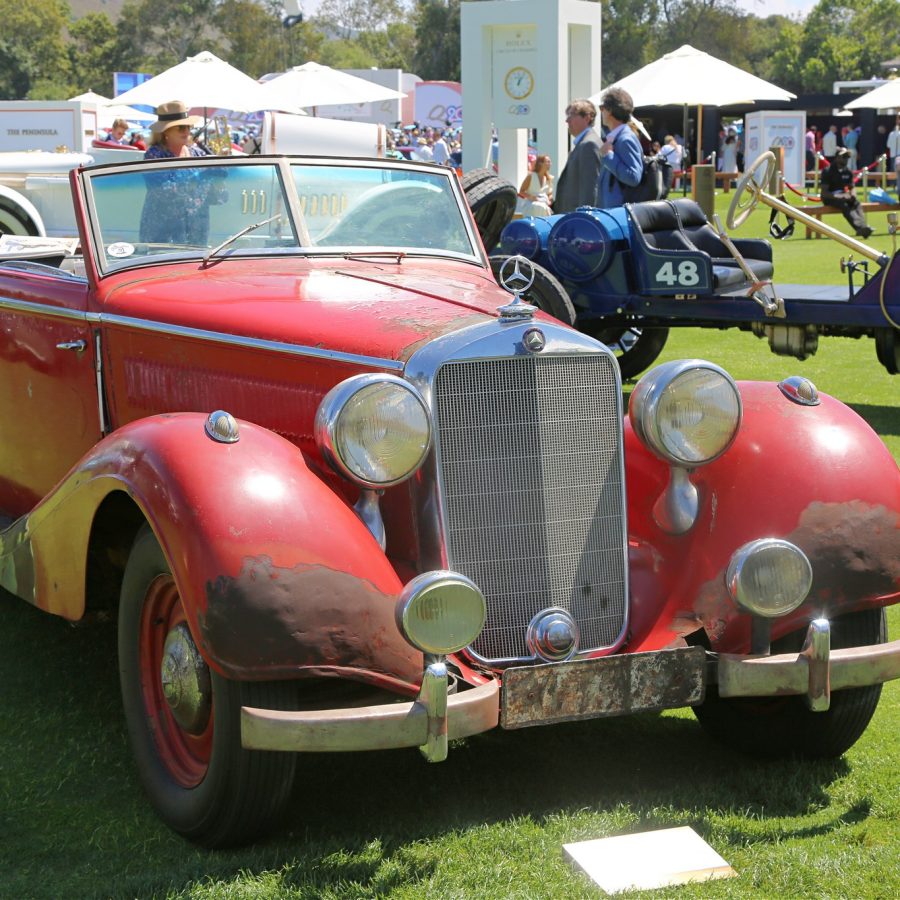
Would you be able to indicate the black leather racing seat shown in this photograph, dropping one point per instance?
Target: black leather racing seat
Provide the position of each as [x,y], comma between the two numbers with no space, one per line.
[698,232]
[659,225]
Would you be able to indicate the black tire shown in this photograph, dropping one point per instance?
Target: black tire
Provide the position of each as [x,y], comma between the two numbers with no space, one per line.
[204,785]
[546,293]
[887,348]
[636,348]
[474,177]
[493,202]
[16,221]
[784,726]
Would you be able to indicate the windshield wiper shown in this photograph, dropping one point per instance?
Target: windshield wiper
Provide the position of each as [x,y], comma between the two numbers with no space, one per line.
[399,255]
[240,234]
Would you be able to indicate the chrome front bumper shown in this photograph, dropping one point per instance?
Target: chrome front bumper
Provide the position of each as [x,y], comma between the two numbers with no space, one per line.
[535,695]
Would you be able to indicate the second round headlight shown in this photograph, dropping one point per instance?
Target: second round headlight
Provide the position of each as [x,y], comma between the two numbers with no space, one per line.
[375,429]
[686,411]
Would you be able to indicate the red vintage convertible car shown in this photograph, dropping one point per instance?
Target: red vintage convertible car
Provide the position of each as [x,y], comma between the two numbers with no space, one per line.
[342,492]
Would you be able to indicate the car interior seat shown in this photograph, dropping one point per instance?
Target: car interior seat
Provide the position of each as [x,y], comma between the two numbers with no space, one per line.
[696,228]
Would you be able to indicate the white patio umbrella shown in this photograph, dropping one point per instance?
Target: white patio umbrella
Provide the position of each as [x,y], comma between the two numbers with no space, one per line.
[690,77]
[887,96]
[110,110]
[312,85]
[204,81]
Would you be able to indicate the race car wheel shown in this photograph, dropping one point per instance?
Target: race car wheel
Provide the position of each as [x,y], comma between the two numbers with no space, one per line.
[785,726]
[493,202]
[184,719]
[546,293]
[636,349]
[887,347]
[746,196]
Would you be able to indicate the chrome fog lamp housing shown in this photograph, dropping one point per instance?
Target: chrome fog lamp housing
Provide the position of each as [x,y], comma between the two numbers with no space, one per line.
[686,411]
[441,612]
[375,429]
[769,577]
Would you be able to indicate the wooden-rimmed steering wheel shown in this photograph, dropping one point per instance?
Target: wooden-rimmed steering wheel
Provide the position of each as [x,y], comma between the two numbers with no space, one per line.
[749,187]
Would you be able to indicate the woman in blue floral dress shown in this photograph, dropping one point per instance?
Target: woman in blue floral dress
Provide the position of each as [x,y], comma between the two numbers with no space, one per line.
[176,208]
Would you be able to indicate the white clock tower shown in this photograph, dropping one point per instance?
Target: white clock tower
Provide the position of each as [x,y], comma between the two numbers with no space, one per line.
[522,62]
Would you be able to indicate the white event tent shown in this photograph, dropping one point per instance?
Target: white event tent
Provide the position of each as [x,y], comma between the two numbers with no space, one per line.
[690,77]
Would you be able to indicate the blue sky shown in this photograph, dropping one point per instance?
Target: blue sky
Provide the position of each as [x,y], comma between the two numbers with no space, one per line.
[776,7]
[758,7]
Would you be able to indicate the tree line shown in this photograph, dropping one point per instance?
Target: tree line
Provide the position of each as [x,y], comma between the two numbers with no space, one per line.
[45,54]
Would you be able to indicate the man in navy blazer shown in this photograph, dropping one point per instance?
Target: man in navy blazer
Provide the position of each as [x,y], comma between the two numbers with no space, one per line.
[621,156]
[577,183]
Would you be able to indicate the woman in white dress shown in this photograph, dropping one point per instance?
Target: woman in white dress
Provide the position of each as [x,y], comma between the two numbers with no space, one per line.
[536,191]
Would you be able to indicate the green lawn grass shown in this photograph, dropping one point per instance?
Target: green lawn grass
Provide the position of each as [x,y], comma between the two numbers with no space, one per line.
[491,821]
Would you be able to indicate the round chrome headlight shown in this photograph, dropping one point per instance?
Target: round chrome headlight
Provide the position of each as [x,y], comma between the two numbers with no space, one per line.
[375,429]
[441,612]
[769,577]
[687,411]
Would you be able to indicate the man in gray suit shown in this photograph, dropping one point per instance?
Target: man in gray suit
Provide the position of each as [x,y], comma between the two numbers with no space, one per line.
[577,183]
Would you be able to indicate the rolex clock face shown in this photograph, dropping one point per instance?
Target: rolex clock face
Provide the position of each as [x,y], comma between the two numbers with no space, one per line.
[519,82]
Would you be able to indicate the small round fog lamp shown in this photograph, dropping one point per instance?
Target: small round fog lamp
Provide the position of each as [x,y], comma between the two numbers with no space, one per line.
[769,577]
[440,612]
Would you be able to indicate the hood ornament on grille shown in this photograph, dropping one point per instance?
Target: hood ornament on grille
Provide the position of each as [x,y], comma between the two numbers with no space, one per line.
[516,275]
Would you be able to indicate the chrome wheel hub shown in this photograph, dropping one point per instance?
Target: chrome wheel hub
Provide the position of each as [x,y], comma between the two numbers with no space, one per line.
[185,681]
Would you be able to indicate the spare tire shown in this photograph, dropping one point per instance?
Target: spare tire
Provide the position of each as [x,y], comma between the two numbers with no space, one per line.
[493,202]
[474,177]
[546,293]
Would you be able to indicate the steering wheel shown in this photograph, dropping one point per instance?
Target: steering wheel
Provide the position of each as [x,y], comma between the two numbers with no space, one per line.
[748,190]
[403,213]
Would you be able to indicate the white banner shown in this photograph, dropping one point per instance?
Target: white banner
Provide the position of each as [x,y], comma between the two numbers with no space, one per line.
[438,102]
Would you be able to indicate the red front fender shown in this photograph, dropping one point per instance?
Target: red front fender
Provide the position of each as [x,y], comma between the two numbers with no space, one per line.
[277,574]
[817,476]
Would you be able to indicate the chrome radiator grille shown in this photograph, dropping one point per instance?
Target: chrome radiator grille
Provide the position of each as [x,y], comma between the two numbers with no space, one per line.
[529,458]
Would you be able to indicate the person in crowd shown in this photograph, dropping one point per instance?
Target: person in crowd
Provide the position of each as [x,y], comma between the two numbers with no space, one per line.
[422,150]
[837,191]
[830,143]
[176,207]
[251,144]
[729,152]
[672,152]
[809,145]
[117,133]
[536,191]
[851,143]
[621,155]
[577,184]
[137,141]
[440,152]
[893,152]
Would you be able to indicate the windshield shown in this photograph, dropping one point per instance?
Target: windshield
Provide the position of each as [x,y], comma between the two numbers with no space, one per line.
[186,208]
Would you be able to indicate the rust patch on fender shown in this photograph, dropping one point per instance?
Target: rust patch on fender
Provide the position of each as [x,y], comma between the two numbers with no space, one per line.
[854,549]
[277,620]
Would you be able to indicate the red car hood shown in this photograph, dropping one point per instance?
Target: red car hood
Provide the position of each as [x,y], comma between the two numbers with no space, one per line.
[371,307]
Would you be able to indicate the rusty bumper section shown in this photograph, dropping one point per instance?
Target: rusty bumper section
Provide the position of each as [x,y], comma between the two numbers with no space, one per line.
[428,723]
[815,672]
[561,692]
